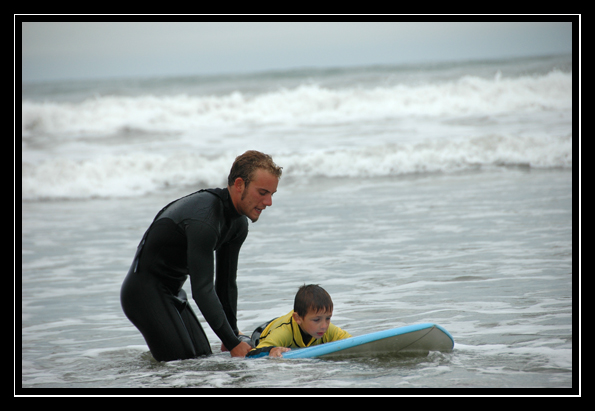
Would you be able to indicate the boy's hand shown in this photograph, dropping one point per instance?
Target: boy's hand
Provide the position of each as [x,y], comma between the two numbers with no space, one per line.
[278,351]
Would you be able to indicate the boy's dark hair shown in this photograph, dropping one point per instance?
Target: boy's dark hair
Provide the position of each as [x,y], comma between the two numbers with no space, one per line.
[312,297]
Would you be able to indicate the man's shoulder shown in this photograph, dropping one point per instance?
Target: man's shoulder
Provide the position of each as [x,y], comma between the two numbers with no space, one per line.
[200,205]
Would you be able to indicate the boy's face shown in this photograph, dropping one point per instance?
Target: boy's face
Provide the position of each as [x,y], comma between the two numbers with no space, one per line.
[314,323]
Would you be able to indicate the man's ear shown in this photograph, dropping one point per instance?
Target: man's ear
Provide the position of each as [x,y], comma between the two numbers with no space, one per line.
[239,184]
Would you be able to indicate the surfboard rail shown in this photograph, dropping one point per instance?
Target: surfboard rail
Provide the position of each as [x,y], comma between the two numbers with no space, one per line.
[416,338]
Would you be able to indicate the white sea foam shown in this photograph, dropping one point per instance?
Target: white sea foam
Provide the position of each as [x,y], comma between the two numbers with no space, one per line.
[137,173]
[128,145]
[308,103]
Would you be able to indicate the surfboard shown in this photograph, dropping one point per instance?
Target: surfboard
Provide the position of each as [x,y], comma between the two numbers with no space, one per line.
[417,339]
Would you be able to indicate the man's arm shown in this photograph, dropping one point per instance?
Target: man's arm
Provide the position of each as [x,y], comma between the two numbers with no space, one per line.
[202,239]
[226,279]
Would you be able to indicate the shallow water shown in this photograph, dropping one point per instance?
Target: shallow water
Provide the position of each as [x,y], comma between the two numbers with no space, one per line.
[486,254]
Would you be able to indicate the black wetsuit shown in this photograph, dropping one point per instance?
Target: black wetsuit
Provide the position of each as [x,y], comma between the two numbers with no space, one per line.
[181,242]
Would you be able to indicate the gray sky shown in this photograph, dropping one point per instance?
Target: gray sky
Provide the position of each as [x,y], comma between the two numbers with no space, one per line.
[76,50]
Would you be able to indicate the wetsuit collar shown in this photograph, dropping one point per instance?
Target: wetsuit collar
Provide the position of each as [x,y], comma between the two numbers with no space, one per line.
[223,194]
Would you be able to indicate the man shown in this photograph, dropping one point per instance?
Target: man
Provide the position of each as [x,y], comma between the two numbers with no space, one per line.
[181,242]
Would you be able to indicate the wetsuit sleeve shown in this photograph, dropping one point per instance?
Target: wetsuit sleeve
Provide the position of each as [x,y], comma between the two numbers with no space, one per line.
[226,283]
[279,337]
[260,352]
[202,239]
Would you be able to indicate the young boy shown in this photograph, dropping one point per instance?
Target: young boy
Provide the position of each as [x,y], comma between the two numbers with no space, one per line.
[308,324]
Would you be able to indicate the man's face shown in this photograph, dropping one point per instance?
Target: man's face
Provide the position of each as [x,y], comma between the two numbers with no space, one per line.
[258,195]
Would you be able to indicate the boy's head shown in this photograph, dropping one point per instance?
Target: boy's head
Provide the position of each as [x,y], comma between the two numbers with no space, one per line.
[312,298]
[313,309]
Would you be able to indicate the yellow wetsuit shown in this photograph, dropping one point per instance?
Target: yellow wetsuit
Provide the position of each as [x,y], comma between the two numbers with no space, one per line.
[285,332]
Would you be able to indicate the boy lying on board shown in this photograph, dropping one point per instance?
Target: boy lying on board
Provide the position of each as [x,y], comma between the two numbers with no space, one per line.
[308,324]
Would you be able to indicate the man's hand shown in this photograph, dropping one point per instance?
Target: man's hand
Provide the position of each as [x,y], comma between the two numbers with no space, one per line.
[241,350]
[223,348]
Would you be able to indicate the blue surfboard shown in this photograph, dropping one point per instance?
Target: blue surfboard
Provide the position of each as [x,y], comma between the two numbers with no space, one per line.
[417,339]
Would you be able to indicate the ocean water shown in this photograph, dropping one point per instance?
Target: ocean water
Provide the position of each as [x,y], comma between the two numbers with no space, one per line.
[416,193]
